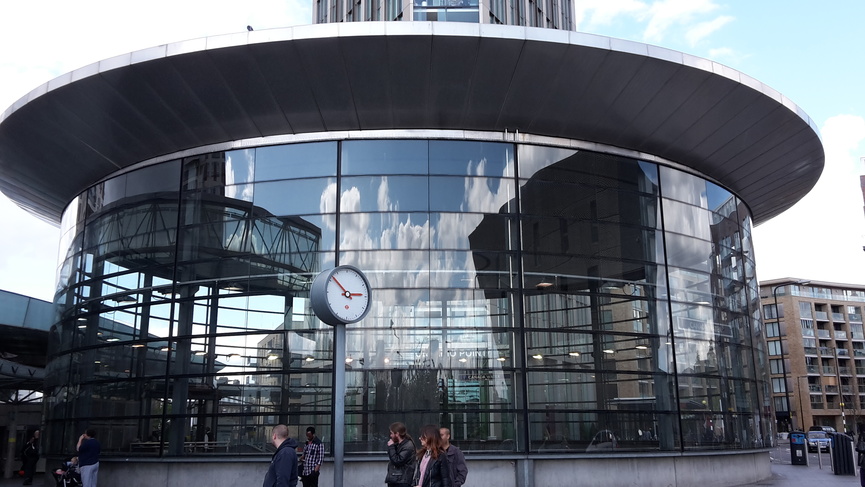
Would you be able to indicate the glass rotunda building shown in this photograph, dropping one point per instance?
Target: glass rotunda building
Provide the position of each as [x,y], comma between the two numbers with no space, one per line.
[556,227]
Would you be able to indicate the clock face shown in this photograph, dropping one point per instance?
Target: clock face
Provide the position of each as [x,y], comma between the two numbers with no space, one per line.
[340,296]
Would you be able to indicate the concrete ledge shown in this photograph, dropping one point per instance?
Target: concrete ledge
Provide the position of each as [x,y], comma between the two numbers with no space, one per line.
[706,469]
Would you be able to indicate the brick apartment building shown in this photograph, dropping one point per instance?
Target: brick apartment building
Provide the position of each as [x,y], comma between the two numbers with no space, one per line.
[816,349]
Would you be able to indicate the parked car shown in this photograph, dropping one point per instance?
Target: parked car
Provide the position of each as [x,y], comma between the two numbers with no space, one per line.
[818,440]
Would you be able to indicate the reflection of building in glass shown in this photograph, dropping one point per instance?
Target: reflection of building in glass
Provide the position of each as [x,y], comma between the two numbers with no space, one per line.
[557,233]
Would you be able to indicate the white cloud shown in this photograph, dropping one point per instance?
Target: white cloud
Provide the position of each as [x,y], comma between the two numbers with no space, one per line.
[822,236]
[687,19]
[721,53]
[665,14]
[28,252]
[603,12]
[703,29]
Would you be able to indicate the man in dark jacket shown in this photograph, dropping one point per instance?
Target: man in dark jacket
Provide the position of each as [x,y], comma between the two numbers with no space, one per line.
[30,456]
[283,467]
[457,461]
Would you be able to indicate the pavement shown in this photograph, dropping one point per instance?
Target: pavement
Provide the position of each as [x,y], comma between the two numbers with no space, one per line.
[784,474]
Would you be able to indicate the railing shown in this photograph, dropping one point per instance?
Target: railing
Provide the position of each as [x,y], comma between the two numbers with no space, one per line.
[813,369]
[832,389]
[826,351]
[846,389]
[815,388]
[854,317]
[843,352]
[807,332]
[816,405]
[838,317]
[189,446]
[840,335]
[811,351]
[860,370]
[821,316]
[844,370]
[446,3]
[828,370]
[824,334]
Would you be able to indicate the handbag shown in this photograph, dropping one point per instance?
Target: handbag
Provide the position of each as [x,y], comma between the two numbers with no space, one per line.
[395,475]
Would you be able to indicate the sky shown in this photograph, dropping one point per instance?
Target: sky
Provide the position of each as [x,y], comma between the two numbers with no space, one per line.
[813,53]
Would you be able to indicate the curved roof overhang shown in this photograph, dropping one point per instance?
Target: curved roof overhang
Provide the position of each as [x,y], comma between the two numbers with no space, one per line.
[81,127]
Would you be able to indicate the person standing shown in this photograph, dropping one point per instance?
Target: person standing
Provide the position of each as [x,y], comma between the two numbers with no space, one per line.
[88,457]
[860,449]
[434,470]
[30,456]
[282,471]
[456,459]
[401,457]
[313,454]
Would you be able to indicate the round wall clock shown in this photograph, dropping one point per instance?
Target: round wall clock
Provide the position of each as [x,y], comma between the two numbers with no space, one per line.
[340,295]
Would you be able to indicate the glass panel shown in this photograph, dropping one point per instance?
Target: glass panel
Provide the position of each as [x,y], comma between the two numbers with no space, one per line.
[295,161]
[534,158]
[479,195]
[687,220]
[472,231]
[385,231]
[602,432]
[462,158]
[307,196]
[691,253]
[385,157]
[486,270]
[385,193]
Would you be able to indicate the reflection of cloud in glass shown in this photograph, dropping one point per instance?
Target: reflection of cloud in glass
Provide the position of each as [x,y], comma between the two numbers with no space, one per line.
[682,186]
[384,203]
[238,171]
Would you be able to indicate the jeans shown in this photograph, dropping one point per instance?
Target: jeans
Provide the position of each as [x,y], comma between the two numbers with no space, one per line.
[310,480]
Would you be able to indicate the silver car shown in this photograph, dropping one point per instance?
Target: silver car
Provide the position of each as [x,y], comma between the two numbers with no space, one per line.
[818,441]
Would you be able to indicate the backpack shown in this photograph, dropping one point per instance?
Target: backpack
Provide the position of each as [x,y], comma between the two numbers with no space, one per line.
[30,451]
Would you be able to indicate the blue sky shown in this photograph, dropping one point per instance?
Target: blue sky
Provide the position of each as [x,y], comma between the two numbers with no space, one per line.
[813,53]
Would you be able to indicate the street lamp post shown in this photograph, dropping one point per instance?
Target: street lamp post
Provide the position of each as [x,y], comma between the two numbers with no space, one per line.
[801,412]
[783,360]
[781,344]
[840,390]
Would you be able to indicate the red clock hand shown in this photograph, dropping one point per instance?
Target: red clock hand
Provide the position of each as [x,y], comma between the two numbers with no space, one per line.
[344,290]
[355,294]
[340,285]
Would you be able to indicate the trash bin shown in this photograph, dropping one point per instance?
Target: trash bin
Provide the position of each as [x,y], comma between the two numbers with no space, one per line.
[843,462]
[798,448]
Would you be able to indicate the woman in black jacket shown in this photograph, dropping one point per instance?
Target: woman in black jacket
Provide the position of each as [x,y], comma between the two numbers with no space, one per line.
[401,455]
[434,470]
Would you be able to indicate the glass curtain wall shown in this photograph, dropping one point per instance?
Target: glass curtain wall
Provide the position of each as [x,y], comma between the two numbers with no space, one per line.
[532,299]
